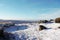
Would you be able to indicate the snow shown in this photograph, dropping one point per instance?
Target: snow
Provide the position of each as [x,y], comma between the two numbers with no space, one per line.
[32,32]
[50,34]
[15,28]
[51,25]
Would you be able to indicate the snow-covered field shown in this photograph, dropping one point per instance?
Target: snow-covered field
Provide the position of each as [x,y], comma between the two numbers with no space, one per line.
[31,32]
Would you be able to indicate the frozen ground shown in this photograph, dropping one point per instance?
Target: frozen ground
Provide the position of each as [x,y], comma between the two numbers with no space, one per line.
[32,32]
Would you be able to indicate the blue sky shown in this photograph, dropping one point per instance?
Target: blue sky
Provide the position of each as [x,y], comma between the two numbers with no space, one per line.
[29,9]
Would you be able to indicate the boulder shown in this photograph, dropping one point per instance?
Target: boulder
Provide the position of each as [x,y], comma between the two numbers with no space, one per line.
[57,20]
[41,27]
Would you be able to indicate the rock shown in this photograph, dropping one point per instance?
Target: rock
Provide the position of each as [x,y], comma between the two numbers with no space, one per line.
[57,20]
[41,27]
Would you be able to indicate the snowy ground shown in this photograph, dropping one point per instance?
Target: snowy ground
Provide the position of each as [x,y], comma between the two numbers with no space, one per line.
[32,32]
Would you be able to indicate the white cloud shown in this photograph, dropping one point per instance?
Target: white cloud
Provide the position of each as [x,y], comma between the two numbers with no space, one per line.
[50,15]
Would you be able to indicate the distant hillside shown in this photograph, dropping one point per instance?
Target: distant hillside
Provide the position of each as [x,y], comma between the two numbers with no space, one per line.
[18,21]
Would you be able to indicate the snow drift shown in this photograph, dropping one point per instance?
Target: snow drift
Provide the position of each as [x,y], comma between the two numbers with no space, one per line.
[32,32]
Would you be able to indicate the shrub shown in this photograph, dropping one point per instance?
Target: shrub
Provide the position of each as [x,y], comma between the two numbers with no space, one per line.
[45,21]
[1,33]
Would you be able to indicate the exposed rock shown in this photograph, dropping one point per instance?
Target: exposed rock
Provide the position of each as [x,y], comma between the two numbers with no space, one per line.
[41,27]
[57,20]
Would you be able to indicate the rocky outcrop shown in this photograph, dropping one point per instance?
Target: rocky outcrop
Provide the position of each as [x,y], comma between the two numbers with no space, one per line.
[57,20]
[41,27]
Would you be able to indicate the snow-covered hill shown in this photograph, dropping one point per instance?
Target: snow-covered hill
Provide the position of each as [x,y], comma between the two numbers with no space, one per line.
[32,32]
